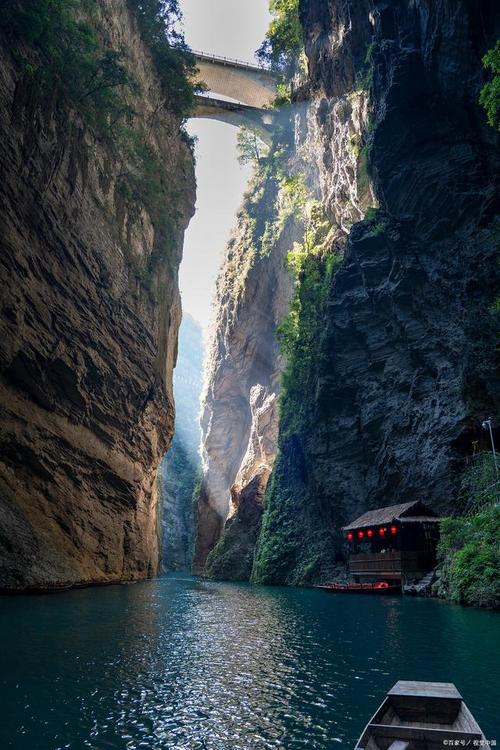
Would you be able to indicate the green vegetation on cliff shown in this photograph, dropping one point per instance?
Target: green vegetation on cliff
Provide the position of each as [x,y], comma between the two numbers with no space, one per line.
[71,59]
[290,549]
[158,21]
[471,558]
[490,93]
[468,549]
[283,43]
[68,64]
[312,264]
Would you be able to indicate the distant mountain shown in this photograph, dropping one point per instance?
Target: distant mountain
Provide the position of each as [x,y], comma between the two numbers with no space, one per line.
[181,466]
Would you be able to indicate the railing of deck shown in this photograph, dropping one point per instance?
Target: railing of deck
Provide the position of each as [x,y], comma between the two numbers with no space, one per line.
[390,562]
[230,61]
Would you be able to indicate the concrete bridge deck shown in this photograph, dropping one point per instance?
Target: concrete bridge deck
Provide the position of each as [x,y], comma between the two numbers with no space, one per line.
[246,83]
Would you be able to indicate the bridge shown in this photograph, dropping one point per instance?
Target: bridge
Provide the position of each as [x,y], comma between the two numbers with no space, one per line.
[251,87]
[239,115]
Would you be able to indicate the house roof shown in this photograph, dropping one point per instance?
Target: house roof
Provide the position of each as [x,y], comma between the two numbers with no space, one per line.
[393,513]
[421,519]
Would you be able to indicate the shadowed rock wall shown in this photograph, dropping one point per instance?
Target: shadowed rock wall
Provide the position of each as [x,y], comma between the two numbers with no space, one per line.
[87,347]
[181,468]
[405,365]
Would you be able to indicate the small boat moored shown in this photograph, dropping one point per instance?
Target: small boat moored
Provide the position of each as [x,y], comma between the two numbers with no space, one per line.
[421,716]
[381,587]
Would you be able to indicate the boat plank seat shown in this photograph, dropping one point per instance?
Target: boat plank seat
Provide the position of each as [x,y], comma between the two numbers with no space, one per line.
[433,702]
[425,689]
[421,734]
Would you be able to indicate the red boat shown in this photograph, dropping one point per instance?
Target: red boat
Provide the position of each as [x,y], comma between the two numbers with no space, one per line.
[381,587]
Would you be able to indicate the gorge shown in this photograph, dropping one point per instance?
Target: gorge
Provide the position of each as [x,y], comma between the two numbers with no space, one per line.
[181,467]
[355,309]
[351,364]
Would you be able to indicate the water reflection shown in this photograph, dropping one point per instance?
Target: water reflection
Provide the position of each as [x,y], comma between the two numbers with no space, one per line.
[178,663]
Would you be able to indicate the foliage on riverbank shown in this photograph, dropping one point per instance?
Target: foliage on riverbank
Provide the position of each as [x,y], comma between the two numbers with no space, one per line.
[468,549]
[471,559]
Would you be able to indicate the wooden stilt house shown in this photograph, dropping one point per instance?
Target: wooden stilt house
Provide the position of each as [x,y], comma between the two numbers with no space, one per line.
[395,544]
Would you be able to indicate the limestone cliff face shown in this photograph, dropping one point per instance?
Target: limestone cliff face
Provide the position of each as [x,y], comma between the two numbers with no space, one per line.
[404,370]
[392,391]
[180,469]
[87,347]
[240,415]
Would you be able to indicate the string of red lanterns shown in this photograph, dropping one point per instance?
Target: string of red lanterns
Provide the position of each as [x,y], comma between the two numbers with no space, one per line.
[369,533]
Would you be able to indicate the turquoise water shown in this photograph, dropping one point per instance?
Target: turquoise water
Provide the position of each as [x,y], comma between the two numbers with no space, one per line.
[180,663]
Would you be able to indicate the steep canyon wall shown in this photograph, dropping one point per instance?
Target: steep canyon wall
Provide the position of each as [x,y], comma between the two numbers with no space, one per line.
[89,319]
[396,369]
[240,409]
[181,468]
[404,368]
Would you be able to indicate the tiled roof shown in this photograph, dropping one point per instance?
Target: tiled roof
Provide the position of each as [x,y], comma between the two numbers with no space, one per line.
[421,519]
[389,514]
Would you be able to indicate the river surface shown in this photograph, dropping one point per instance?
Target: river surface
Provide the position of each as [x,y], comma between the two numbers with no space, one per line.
[187,664]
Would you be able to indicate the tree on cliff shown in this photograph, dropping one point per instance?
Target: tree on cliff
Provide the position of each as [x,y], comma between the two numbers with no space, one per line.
[283,43]
[490,93]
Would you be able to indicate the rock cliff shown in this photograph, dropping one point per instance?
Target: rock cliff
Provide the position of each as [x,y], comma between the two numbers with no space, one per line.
[240,416]
[89,319]
[392,367]
[181,467]
[404,368]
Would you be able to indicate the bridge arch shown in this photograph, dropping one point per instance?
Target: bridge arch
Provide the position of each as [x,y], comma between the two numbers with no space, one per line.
[251,88]
[239,115]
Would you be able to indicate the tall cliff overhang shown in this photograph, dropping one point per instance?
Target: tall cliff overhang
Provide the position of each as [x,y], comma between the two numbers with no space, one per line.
[88,340]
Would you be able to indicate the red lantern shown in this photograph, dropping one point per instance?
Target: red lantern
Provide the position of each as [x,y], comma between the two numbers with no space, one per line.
[350,537]
[361,534]
[369,533]
[394,530]
[381,531]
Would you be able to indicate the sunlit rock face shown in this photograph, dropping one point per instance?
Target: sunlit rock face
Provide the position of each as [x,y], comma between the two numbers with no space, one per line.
[232,558]
[86,350]
[239,417]
[405,371]
[181,467]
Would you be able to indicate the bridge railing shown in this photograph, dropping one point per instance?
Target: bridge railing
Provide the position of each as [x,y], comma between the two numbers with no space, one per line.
[231,61]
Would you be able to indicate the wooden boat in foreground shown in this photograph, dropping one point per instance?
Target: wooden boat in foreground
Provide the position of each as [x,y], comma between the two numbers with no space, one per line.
[382,587]
[421,716]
